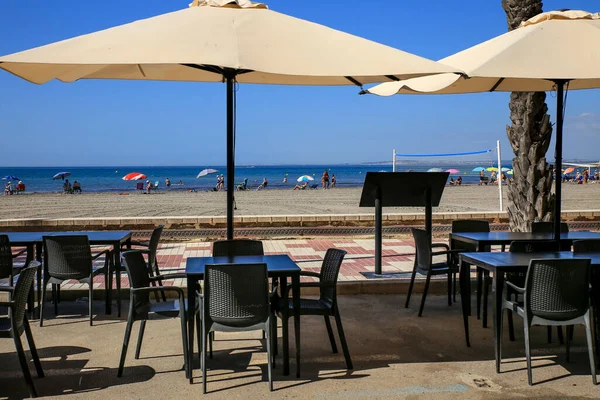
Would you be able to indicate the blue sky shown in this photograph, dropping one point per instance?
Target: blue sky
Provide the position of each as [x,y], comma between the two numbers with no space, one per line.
[165,123]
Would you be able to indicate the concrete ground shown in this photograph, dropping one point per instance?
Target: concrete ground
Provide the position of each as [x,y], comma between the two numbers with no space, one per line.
[395,353]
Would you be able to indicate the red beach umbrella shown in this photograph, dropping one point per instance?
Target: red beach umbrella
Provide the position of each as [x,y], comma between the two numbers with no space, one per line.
[134,176]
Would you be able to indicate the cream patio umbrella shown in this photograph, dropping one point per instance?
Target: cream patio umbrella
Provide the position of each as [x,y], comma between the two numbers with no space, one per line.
[221,41]
[555,50]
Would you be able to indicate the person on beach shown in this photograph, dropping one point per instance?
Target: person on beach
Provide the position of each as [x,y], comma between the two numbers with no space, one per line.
[8,188]
[596,175]
[325,180]
[586,176]
[503,177]
[148,187]
[243,185]
[263,185]
[578,177]
[333,180]
[180,183]
[67,187]
[301,187]
[167,182]
[20,187]
[493,177]
[285,179]
[481,178]
[76,187]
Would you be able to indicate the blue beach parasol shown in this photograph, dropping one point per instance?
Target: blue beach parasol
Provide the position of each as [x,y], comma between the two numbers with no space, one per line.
[61,175]
[478,169]
[11,178]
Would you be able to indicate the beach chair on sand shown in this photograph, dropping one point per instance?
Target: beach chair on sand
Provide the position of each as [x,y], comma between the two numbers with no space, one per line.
[314,186]
[155,186]
[139,186]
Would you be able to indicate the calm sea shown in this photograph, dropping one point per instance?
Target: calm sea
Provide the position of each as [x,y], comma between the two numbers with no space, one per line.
[109,179]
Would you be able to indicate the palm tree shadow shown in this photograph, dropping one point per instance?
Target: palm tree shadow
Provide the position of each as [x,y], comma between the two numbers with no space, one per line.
[64,374]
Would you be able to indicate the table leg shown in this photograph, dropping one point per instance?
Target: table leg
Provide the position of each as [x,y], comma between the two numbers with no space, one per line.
[296,300]
[117,269]
[465,296]
[191,295]
[285,332]
[498,286]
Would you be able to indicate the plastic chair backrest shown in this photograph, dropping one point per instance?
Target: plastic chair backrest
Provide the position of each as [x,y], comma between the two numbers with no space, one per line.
[138,278]
[586,246]
[153,244]
[228,298]
[330,270]
[68,256]
[423,248]
[21,293]
[238,247]
[548,227]
[558,290]
[6,258]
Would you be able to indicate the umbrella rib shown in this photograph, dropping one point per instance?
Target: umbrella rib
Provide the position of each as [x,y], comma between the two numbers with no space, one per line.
[219,70]
[351,79]
[208,68]
[496,84]
[393,78]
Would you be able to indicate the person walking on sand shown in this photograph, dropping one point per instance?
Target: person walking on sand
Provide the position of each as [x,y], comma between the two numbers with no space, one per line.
[333,180]
[148,187]
[481,178]
[325,180]
[263,185]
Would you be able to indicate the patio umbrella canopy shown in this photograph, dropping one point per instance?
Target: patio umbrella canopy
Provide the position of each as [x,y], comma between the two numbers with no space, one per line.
[206,172]
[556,50]
[134,176]
[221,41]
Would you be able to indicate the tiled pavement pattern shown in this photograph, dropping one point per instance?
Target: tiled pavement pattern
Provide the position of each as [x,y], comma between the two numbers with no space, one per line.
[398,256]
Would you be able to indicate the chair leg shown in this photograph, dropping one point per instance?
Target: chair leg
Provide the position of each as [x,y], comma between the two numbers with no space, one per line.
[184,341]
[199,339]
[559,333]
[91,299]
[412,283]
[511,326]
[138,348]
[162,292]
[273,338]
[338,322]
[479,288]
[125,344]
[590,345]
[449,288]
[568,345]
[33,349]
[501,336]
[454,286]
[269,359]
[24,366]
[55,299]
[549,329]
[42,302]
[528,353]
[330,333]
[424,294]
[204,360]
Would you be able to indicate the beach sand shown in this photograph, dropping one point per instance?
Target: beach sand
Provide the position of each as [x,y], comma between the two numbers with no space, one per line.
[266,202]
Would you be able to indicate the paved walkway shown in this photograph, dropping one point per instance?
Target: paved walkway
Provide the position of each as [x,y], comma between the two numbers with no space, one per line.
[398,257]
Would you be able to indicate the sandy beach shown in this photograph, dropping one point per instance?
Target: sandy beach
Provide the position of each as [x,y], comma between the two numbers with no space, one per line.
[267,202]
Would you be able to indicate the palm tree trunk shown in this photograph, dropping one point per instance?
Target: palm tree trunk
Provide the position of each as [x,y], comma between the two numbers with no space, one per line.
[530,194]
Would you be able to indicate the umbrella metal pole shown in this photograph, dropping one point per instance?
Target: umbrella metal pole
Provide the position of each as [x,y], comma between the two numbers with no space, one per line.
[230,154]
[558,156]
[378,231]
